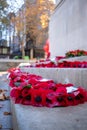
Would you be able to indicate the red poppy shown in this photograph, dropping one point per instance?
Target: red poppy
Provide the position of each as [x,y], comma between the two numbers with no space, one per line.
[84,65]
[61,96]
[27,100]
[80,95]
[33,81]
[61,65]
[11,83]
[49,97]
[71,99]
[15,94]
[25,91]
[38,97]
[48,84]
[19,100]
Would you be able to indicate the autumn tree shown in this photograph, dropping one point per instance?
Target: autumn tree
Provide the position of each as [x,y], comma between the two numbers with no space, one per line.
[37,17]
[32,21]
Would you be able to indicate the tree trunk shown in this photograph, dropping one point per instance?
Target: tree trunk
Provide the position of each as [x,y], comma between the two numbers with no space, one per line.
[31,53]
[22,50]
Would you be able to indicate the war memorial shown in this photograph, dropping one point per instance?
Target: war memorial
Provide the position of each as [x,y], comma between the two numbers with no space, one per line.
[64,74]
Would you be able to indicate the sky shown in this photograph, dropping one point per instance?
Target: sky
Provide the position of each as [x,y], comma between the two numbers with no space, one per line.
[16,4]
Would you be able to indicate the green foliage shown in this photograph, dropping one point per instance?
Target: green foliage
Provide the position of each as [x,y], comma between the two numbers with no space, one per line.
[26,57]
[5,21]
[3,12]
[3,6]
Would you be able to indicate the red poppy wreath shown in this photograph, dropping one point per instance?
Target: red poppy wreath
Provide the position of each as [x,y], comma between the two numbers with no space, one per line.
[31,89]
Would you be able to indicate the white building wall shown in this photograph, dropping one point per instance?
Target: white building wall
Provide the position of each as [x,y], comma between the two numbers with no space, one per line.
[57,1]
[68,27]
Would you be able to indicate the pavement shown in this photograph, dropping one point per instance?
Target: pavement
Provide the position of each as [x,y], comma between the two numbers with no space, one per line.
[5,106]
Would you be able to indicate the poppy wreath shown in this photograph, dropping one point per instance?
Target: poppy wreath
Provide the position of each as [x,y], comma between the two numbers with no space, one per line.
[74,64]
[63,64]
[74,53]
[31,89]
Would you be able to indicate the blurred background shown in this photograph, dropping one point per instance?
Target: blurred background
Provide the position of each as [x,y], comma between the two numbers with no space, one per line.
[24,28]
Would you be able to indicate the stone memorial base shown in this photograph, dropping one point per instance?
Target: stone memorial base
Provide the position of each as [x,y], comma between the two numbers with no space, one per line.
[77,76]
[42,118]
[58,118]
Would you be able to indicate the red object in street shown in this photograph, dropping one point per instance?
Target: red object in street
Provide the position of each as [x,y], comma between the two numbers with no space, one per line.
[46,49]
[46,46]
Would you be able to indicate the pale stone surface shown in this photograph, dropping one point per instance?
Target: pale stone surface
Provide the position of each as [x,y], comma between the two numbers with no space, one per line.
[6,64]
[68,27]
[77,76]
[57,1]
[43,118]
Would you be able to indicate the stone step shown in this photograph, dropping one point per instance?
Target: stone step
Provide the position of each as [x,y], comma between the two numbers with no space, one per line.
[42,118]
[59,118]
[77,76]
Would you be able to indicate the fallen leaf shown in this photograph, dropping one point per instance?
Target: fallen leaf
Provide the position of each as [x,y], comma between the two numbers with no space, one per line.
[2,96]
[7,113]
[5,90]
[0,126]
[7,97]
[0,90]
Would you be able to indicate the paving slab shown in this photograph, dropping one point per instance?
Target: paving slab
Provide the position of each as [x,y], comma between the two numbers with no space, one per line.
[5,120]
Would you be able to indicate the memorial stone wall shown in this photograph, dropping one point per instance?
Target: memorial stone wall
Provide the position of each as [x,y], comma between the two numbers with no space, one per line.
[68,27]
